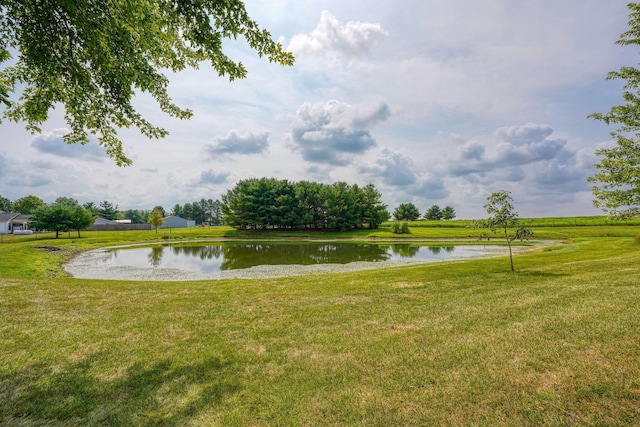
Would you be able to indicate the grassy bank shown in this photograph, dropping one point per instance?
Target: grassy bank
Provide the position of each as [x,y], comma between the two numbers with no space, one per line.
[459,343]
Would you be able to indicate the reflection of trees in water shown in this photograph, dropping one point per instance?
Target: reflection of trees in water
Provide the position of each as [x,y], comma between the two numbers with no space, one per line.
[155,255]
[437,249]
[405,250]
[248,255]
[202,252]
[245,255]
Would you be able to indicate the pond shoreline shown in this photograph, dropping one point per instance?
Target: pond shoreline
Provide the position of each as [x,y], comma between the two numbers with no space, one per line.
[87,265]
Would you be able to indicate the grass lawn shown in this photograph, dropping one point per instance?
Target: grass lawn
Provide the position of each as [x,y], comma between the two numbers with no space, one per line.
[457,343]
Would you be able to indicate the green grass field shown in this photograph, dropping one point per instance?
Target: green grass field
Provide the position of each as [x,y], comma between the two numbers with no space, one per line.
[457,343]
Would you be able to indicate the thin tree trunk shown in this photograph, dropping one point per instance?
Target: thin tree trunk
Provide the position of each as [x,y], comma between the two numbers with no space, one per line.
[506,236]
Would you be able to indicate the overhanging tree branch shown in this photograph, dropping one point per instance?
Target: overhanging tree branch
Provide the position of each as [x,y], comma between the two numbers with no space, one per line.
[92,56]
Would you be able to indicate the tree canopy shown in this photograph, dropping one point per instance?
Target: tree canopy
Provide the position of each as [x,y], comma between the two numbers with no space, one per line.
[433,213]
[406,212]
[271,203]
[5,204]
[156,219]
[448,213]
[617,189]
[92,57]
[27,204]
[61,215]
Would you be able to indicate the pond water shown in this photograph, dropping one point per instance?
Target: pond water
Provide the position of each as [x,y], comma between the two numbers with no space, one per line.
[212,258]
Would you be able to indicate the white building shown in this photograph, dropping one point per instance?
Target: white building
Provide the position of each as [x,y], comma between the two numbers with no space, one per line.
[13,221]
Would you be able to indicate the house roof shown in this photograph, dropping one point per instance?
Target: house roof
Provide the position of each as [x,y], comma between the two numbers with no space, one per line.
[103,221]
[8,216]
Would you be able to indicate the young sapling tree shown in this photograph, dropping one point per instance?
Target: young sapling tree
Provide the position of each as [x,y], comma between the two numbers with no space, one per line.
[504,218]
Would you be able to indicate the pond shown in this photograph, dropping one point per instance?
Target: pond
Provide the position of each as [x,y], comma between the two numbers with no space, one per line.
[259,259]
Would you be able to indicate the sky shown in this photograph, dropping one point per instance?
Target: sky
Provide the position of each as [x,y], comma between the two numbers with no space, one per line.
[438,102]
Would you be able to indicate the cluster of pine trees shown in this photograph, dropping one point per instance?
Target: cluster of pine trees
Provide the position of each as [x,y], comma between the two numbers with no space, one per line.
[262,203]
[206,210]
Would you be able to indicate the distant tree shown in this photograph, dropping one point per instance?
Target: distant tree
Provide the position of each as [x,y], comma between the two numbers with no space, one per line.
[503,217]
[177,210]
[5,204]
[406,212]
[136,216]
[617,189]
[194,212]
[310,197]
[156,219]
[374,211]
[433,213]
[67,201]
[28,205]
[91,58]
[161,210]
[91,207]
[448,213]
[62,216]
[108,210]
[268,202]
[80,218]
[215,213]
[52,218]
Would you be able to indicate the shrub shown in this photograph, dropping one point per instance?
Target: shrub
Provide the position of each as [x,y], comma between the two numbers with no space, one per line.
[400,228]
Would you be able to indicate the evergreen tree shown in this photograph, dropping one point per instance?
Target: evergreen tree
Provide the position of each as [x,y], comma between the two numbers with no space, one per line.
[406,212]
[434,213]
[448,213]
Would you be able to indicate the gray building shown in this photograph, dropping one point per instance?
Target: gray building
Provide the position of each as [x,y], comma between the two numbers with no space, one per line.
[177,222]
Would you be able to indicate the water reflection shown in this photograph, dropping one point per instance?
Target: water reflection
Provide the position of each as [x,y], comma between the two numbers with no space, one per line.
[233,256]
[155,256]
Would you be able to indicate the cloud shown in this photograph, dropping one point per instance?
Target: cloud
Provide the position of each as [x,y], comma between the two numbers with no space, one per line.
[392,168]
[332,132]
[429,187]
[3,165]
[524,158]
[509,147]
[53,143]
[29,180]
[210,177]
[233,143]
[529,133]
[330,37]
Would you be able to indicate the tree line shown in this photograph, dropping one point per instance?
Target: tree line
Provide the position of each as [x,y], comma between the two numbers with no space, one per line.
[205,211]
[261,203]
[64,214]
[409,212]
[278,204]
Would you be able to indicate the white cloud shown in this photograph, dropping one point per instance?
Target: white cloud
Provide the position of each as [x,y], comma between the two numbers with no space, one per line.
[392,168]
[334,132]
[397,173]
[509,147]
[354,39]
[234,143]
